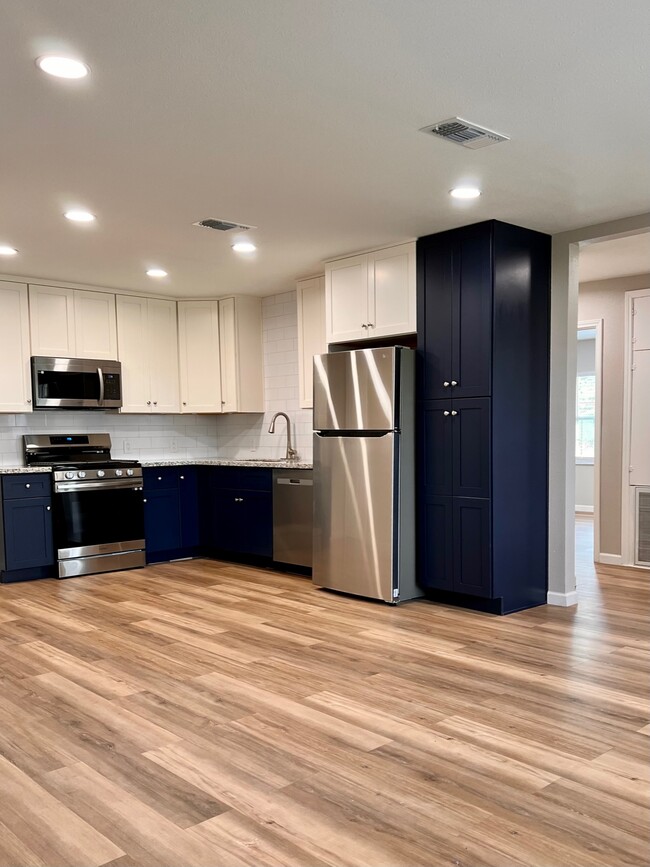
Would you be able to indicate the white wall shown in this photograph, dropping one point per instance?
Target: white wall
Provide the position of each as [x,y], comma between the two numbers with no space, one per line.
[247,436]
[585,472]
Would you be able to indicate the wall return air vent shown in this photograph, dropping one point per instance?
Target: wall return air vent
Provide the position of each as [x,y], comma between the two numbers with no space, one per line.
[222,225]
[465,133]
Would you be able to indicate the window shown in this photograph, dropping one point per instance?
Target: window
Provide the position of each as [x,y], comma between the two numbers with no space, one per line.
[585,418]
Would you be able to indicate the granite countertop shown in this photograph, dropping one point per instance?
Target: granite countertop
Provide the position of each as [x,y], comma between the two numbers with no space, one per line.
[187,462]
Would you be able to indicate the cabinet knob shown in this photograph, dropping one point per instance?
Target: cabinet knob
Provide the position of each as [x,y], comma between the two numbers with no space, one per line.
[453,412]
[184,403]
[48,508]
[144,499]
[28,486]
[182,477]
[223,403]
[446,412]
[148,403]
[160,478]
[445,384]
[29,400]
[453,382]
[155,403]
[371,325]
[364,326]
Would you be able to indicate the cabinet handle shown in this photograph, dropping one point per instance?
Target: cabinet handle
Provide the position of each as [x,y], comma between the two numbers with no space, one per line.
[48,508]
[239,499]
[148,403]
[446,412]
[453,382]
[446,384]
[453,412]
[364,325]
[371,325]
[28,486]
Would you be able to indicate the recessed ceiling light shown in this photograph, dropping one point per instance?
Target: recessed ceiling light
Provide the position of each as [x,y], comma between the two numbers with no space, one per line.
[7,251]
[62,67]
[78,216]
[465,193]
[244,247]
[156,272]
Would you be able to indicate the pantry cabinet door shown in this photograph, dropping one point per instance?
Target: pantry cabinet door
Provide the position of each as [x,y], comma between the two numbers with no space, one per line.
[392,296]
[52,321]
[346,299]
[15,376]
[133,352]
[163,356]
[95,324]
[311,334]
[200,366]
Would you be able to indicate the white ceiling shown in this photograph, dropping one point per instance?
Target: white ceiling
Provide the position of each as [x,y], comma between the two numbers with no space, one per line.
[301,117]
[620,257]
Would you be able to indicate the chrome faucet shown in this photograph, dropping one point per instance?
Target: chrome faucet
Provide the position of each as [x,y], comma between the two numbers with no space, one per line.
[292,454]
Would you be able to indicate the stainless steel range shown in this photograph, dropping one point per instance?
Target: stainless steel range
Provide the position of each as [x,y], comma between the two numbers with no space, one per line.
[97,506]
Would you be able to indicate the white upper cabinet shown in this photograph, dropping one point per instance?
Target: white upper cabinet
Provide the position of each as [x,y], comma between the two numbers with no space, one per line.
[95,325]
[72,323]
[640,419]
[52,321]
[641,323]
[311,333]
[200,365]
[15,376]
[371,295]
[240,352]
[148,349]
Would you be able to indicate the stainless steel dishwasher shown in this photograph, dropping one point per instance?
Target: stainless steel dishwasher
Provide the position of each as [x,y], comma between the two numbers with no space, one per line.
[293,517]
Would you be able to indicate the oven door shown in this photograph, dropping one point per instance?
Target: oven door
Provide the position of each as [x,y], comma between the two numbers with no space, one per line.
[102,517]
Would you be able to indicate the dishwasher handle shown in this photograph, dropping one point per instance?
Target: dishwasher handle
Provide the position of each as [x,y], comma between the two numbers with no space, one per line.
[306,482]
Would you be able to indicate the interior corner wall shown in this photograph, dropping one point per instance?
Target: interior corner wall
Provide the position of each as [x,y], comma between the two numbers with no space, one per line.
[605,299]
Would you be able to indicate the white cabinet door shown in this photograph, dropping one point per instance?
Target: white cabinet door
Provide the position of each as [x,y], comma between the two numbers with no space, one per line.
[346,296]
[200,366]
[95,326]
[15,376]
[228,354]
[640,421]
[392,295]
[133,352]
[641,323]
[163,356]
[311,333]
[51,317]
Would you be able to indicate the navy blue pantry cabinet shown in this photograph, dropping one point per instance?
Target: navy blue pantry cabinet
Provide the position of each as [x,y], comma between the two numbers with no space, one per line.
[236,507]
[26,542]
[483,345]
[171,519]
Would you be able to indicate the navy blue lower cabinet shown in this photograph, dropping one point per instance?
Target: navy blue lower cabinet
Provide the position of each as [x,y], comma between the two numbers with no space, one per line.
[28,541]
[470,424]
[472,547]
[189,506]
[436,544]
[162,524]
[243,522]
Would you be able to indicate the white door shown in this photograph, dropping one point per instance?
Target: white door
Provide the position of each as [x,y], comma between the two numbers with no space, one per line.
[346,295]
[392,295]
[133,352]
[163,356]
[15,375]
[200,368]
[640,422]
[51,317]
[95,326]
[641,323]
[228,355]
[311,333]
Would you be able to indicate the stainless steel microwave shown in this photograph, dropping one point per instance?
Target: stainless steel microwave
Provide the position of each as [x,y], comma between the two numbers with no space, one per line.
[76,383]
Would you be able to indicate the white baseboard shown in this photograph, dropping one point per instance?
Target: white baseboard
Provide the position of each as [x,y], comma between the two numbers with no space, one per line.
[609,559]
[563,599]
[588,509]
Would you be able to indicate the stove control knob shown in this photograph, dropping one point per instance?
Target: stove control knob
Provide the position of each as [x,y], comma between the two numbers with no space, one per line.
[69,475]
[82,474]
[129,472]
[119,472]
[100,474]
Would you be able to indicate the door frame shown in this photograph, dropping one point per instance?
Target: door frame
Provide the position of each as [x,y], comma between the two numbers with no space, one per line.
[597,326]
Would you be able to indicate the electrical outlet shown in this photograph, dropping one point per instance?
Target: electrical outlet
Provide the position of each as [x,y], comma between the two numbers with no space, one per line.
[127,446]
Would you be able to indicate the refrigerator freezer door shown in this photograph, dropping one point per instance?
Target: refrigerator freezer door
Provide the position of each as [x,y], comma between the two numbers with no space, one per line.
[355,390]
[353,514]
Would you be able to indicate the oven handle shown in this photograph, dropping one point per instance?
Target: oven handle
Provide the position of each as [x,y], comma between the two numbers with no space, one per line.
[100,374]
[121,484]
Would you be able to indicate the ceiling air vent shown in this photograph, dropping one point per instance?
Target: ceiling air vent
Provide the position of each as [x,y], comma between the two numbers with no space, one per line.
[222,225]
[462,132]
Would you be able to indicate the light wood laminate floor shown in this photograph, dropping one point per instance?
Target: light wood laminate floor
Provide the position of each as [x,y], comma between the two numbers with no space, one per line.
[201,713]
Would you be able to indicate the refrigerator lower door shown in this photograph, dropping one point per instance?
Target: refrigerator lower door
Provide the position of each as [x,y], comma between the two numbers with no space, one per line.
[354,515]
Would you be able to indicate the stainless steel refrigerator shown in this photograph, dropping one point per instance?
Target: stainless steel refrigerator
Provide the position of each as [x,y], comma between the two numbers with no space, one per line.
[364,485]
